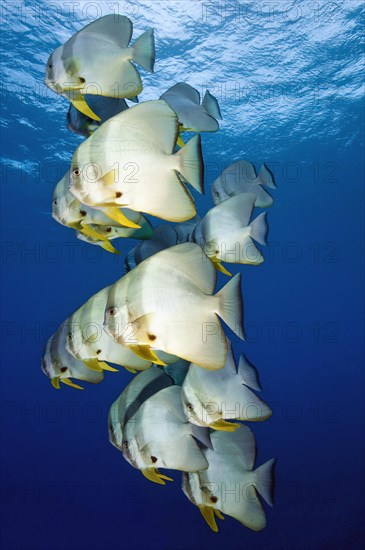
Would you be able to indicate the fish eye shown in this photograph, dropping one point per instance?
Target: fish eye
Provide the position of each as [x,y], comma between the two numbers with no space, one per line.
[55,202]
[50,66]
[76,172]
[69,336]
[111,312]
[111,428]
[189,406]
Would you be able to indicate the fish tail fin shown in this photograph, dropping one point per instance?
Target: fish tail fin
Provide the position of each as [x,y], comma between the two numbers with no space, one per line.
[231,305]
[202,435]
[211,105]
[259,228]
[248,373]
[264,481]
[144,50]
[266,177]
[191,164]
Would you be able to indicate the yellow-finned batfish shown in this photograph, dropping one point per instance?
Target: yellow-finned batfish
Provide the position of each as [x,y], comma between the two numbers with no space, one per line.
[240,177]
[87,341]
[226,234]
[142,386]
[210,398]
[229,486]
[193,116]
[104,107]
[159,436]
[167,303]
[60,366]
[94,223]
[97,60]
[130,162]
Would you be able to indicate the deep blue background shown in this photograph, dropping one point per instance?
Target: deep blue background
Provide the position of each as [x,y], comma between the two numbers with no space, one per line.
[288,81]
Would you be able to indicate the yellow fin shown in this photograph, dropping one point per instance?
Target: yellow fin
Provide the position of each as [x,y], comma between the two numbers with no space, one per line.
[154,475]
[117,215]
[208,514]
[220,267]
[145,352]
[224,426]
[78,101]
[105,366]
[180,142]
[129,369]
[218,513]
[93,364]
[109,247]
[68,382]
[90,232]
[55,382]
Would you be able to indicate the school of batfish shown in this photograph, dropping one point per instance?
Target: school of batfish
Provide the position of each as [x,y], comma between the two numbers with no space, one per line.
[164,319]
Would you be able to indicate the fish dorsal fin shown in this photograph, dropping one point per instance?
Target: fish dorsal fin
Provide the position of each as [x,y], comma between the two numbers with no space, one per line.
[237,173]
[230,362]
[211,105]
[181,91]
[190,260]
[152,121]
[115,27]
[232,214]
[142,387]
[239,444]
[170,399]
[248,373]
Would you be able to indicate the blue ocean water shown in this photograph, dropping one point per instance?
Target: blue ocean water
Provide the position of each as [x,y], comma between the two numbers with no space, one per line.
[288,76]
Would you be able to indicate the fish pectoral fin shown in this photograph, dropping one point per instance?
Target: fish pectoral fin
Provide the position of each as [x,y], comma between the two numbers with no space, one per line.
[91,232]
[154,475]
[208,514]
[145,352]
[220,267]
[107,367]
[117,215]
[78,101]
[224,426]
[55,382]
[68,382]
